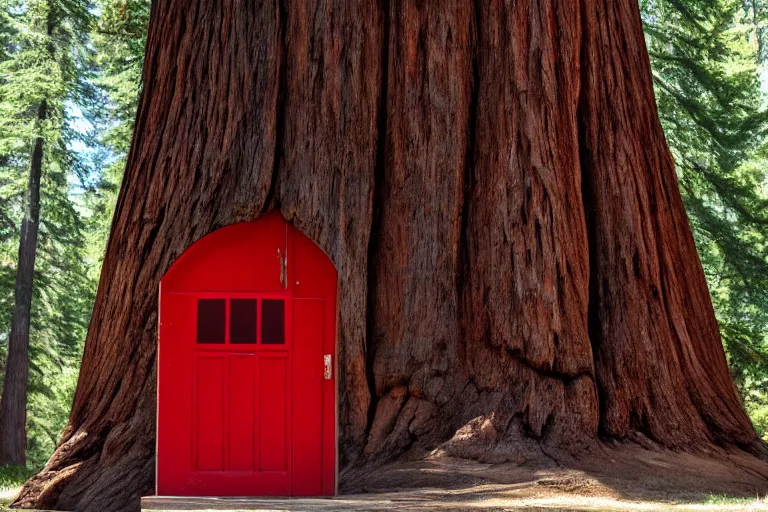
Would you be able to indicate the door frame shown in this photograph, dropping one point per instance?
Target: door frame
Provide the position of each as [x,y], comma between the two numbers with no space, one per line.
[287,294]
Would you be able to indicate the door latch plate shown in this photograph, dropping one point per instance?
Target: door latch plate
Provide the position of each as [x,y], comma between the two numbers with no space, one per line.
[327,369]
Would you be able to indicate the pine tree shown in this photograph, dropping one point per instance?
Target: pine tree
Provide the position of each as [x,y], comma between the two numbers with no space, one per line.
[43,77]
[119,36]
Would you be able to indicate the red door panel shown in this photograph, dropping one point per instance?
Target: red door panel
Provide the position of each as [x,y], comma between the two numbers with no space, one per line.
[242,425]
[176,363]
[273,377]
[307,397]
[244,407]
[209,434]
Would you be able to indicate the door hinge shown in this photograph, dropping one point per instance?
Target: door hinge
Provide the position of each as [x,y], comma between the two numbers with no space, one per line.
[283,258]
[327,369]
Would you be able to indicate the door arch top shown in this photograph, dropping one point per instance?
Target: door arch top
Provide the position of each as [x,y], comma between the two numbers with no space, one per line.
[252,255]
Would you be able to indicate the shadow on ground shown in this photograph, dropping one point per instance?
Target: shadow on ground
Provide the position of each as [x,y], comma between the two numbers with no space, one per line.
[620,477]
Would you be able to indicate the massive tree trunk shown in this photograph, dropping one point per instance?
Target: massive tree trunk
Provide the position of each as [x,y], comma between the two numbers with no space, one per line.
[493,185]
[13,404]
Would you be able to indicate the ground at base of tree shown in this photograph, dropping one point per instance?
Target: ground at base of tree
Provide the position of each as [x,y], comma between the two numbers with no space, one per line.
[626,477]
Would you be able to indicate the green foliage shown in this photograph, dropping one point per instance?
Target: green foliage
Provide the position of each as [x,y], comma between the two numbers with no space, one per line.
[12,477]
[724,499]
[84,61]
[119,37]
[706,57]
[87,70]
[46,59]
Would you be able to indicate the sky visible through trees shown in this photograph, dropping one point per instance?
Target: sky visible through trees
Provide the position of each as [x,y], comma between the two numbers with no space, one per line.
[709,63]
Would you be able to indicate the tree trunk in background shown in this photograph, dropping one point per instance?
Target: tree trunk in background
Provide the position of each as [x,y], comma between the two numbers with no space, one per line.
[491,180]
[13,404]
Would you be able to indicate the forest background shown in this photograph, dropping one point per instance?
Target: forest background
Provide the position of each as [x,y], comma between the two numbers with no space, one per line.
[83,61]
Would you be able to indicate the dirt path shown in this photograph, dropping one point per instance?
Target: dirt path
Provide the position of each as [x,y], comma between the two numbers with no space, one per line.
[435,500]
[626,477]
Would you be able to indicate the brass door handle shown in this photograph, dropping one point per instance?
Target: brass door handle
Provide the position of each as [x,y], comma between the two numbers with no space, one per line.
[327,369]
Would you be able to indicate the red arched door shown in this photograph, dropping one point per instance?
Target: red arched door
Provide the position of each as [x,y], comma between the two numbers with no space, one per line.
[246,368]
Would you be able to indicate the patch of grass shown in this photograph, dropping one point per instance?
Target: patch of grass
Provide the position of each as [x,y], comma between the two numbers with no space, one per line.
[12,477]
[724,499]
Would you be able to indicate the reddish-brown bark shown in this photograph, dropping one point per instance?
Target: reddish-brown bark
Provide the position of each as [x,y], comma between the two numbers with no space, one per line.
[491,180]
[653,329]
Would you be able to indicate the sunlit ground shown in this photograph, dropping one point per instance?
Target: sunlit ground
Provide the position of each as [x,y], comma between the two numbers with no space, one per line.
[7,495]
[620,478]
[432,501]
[417,500]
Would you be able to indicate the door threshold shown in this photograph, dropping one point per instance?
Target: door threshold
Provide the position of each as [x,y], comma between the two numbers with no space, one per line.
[239,503]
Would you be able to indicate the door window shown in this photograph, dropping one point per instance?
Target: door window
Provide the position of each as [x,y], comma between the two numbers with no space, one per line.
[211,320]
[243,324]
[242,321]
[272,322]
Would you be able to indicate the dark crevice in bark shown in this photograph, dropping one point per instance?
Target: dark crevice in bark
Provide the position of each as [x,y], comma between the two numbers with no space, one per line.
[638,424]
[272,201]
[518,356]
[378,190]
[545,429]
[593,317]
[152,235]
[468,184]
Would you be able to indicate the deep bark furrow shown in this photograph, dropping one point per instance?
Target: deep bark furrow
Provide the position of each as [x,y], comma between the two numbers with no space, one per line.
[373,246]
[593,328]
[280,106]
[468,182]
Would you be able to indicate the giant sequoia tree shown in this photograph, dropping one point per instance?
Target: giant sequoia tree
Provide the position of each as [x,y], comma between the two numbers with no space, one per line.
[490,179]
